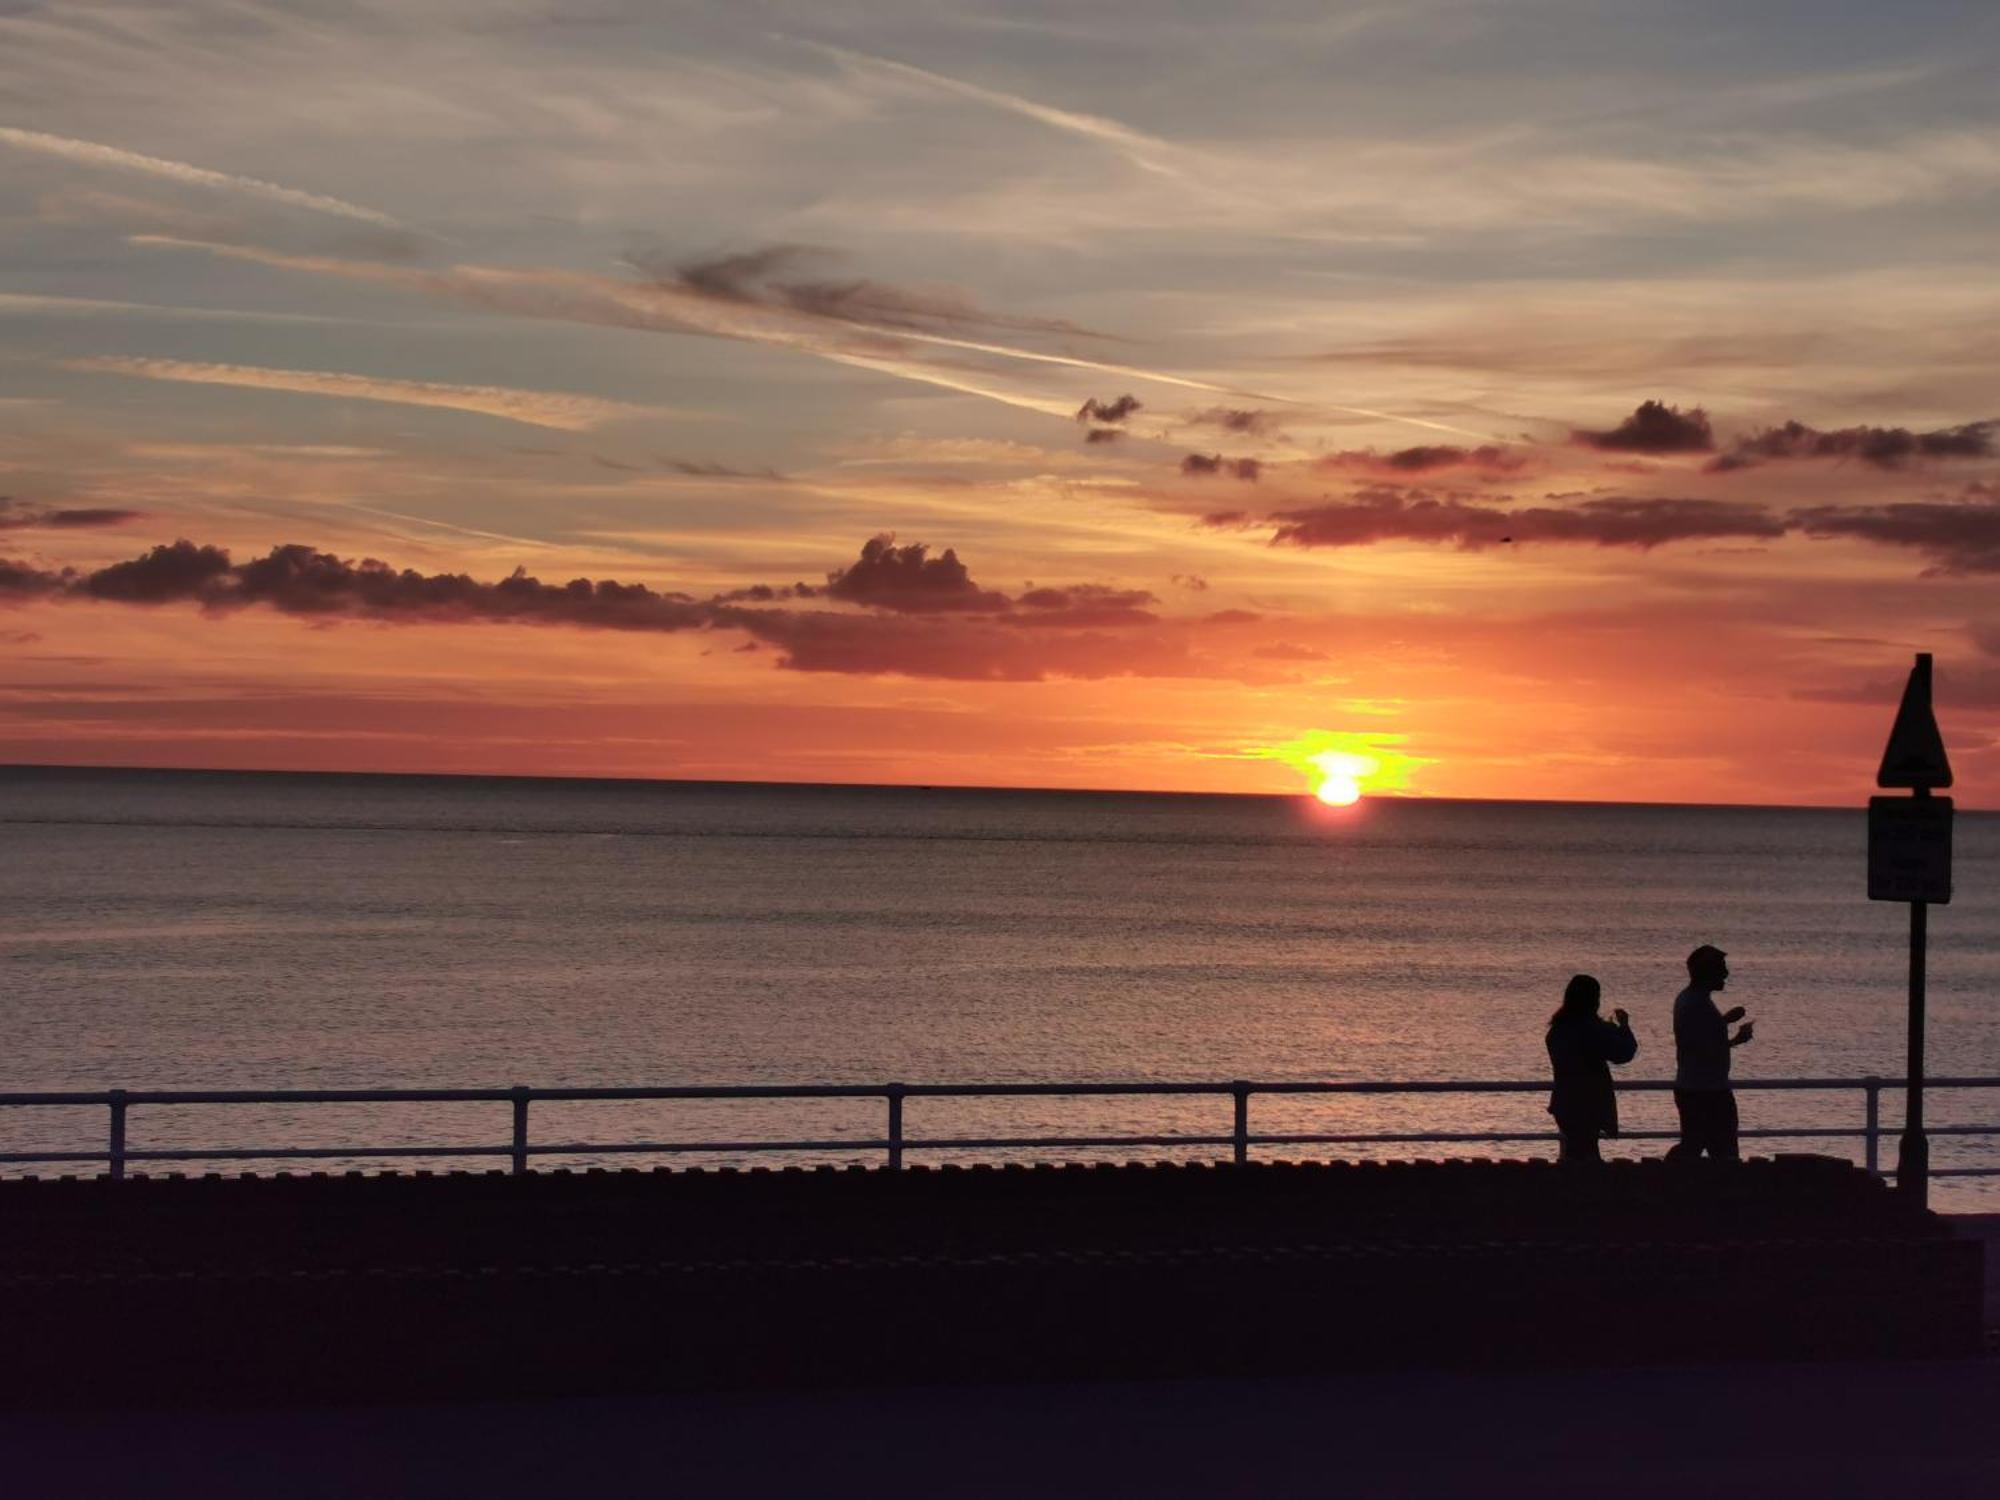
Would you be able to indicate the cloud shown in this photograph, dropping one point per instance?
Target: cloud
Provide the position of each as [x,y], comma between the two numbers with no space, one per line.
[166,575]
[1961,536]
[923,615]
[667,306]
[1427,459]
[768,276]
[300,580]
[1285,651]
[90,153]
[910,581]
[1388,515]
[1148,152]
[697,469]
[1202,464]
[1103,435]
[1086,606]
[1236,419]
[1884,447]
[17,515]
[1654,427]
[964,649]
[560,409]
[1094,410]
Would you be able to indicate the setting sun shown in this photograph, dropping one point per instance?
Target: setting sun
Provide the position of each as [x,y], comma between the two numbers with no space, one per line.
[1342,768]
[1341,776]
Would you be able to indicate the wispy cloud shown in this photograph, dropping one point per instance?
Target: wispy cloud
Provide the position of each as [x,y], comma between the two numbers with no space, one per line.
[563,409]
[578,297]
[25,304]
[94,154]
[1149,152]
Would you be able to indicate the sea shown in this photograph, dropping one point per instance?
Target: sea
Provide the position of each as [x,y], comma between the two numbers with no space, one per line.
[218,930]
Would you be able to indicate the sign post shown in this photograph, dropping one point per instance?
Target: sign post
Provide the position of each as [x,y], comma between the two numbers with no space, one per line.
[1909,859]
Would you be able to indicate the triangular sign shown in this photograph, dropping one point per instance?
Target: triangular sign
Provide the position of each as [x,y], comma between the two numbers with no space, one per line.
[1915,755]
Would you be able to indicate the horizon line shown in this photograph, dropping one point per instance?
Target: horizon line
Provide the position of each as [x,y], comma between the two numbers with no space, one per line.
[10,767]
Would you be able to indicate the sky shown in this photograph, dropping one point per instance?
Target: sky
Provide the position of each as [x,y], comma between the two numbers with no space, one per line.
[1578,399]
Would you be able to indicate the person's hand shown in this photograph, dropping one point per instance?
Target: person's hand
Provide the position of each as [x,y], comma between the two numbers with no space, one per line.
[1622,1018]
[1743,1034]
[1731,1016]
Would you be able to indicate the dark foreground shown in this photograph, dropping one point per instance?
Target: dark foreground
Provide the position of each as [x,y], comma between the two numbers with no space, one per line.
[1823,1431]
[294,1290]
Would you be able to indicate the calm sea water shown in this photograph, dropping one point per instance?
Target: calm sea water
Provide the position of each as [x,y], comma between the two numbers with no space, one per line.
[220,930]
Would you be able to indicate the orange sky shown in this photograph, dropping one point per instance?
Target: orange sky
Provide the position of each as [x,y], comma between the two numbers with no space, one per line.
[1245,413]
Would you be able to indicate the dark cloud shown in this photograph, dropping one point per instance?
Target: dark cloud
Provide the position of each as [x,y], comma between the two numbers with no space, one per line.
[1103,435]
[301,580]
[1426,459]
[1086,606]
[924,617]
[1232,617]
[163,576]
[778,276]
[910,581]
[1226,518]
[18,515]
[1236,419]
[19,580]
[963,649]
[1389,515]
[1094,410]
[1958,536]
[1200,465]
[698,470]
[1884,447]
[1654,427]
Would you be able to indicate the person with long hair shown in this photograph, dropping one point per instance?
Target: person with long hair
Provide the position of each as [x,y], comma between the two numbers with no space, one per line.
[1582,1047]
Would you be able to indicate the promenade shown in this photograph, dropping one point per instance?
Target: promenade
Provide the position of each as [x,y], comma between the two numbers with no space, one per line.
[1824,1431]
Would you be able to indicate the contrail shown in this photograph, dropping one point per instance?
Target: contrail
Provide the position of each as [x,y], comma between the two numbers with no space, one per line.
[1142,150]
[563,409]
[93,154]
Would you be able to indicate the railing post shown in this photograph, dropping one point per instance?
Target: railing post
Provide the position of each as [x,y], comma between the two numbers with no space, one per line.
[1873,1085]
[117,1152]
[1242,1131]
[521,1096]
[895,1095]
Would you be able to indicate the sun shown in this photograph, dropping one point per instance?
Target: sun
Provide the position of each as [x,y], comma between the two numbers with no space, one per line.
[1339,775]
[1339,791]
[1341,769]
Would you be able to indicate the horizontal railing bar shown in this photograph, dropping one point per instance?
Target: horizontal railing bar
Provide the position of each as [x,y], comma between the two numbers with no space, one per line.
[246,1153]
[1107,1088]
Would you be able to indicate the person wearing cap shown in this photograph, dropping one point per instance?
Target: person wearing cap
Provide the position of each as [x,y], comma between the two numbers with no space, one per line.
[1702,1043]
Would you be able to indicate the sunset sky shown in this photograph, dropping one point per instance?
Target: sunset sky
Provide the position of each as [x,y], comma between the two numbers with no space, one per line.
[1581,399]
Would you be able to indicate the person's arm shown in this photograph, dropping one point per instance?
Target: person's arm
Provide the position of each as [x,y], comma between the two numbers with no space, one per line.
[1615,1039]
[1743,1034]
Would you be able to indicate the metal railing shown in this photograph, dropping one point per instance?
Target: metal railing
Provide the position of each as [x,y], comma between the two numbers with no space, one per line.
[895,1141]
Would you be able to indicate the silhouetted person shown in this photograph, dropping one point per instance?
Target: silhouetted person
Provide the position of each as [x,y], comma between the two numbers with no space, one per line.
[1701,1061]
[1582,1046]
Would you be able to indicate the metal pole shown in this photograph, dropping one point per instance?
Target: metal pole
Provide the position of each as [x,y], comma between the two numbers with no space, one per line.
[895,1093]
[117,1153]
[520,1093]
[1874,1088]
[1242,1092]
[1913,1164]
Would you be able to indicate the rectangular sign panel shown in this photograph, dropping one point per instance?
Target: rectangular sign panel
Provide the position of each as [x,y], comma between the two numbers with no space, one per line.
[1909,849]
